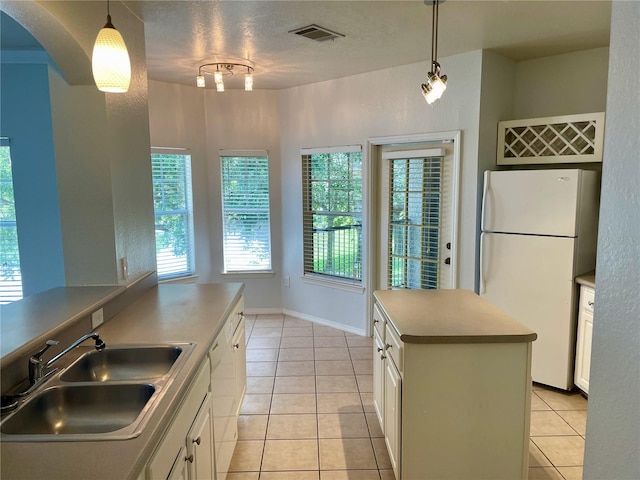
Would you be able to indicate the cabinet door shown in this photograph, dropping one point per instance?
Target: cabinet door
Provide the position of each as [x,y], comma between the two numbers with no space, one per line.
[179,470]
[583,350]
[392,414]
[239,364]
[200,453]
[378,377]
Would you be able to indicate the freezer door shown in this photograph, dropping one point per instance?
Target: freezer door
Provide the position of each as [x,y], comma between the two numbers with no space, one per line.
[537,202]
[531,279]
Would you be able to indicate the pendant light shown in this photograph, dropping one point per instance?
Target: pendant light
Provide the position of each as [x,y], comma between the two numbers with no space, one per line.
[110,61]
[223,69]
[436,83]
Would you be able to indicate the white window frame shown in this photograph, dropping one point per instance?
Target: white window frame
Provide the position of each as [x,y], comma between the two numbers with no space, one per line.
[318,278]
[189,269]
[239,270]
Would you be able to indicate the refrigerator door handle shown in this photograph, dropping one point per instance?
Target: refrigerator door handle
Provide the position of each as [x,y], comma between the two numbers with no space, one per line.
[482,283]
[485,190]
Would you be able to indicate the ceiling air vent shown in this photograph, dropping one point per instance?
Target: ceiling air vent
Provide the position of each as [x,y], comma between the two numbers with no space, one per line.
[314,32]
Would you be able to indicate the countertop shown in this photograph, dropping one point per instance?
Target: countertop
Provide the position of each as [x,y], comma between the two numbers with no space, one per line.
[449,316]
[588,279]
[167,313]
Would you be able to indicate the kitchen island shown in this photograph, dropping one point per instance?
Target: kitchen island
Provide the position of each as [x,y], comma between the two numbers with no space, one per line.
[166,313]
[452,385]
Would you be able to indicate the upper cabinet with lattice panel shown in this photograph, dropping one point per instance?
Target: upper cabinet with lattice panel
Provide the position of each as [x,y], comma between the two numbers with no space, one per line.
[565,139]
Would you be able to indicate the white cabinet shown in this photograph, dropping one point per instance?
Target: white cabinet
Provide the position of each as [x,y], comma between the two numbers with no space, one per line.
[585,333]
[378,364]
[239,364]
[175,456]
[392,412]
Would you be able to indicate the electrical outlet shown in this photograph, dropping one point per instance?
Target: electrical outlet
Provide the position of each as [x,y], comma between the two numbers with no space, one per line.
[286,281]
[97,318]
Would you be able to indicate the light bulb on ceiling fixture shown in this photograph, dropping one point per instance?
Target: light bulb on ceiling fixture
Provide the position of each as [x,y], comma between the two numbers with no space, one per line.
[220,87]
[110,60]
[248,82]
[200,81]
[436,83]
[217,76]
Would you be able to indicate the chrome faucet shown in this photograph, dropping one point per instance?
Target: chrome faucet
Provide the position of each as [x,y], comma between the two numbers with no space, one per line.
[37,368]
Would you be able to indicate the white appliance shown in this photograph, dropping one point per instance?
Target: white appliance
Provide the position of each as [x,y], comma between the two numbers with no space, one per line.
[539,231]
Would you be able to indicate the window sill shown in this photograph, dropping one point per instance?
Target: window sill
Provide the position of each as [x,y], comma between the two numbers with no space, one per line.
[346,285]
[183,279]
[249,274]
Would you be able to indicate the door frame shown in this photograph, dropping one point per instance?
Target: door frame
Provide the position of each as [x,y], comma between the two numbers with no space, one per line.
[374,145]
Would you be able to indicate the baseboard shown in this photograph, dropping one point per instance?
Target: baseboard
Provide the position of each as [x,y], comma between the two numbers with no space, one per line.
[262,311]
[327,323]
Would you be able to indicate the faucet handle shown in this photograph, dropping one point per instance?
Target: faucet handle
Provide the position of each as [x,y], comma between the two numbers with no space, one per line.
[39,353]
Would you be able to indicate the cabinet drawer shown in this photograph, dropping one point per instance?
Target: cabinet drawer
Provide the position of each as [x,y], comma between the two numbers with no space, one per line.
[378,321]
[587,298]
[394,347]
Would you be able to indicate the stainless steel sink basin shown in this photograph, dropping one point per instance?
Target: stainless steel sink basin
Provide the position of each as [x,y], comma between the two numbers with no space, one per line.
[123,364]
[79,410]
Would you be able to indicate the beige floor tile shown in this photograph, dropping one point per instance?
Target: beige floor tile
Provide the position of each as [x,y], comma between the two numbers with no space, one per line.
[296,342]
[537,403]
[292,427]
[367,402]
[545,423]
[571,473]
[247,456]
[261,369]
[329,341]
[544,473]
[363,367]
[346,454]
[266,332]
[252,427]
[339,403]
[365,383]
[357,341]
[269,320]
[576,418]
[343,425]
[536,457]
[263,355]
[381,452]
[387,475]
[295,354]
[296,322]
[333,367]
[324,331]
[336,384]
[297,331]
[243,476]
[259,385]
[563,400]
[361,353]
[563,451]
[299,475]
[332,353]
[349,475]
[297,384]
[255,404]
[290,455]
[293,403]
[374,425]
[263,342]
[295,369]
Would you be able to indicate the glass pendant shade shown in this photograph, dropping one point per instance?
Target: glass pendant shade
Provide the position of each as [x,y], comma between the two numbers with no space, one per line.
[217,77]
[110,61]
[220,87]
[434,88]
[248,82]
[200,81]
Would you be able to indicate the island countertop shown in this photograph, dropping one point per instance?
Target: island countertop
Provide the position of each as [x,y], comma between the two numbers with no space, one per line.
[449,316]
[166,313]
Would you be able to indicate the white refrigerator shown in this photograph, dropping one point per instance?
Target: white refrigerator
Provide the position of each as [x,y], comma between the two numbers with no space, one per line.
[539,231]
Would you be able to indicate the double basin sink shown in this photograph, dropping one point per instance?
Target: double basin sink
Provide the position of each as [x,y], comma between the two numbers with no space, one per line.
[107,395]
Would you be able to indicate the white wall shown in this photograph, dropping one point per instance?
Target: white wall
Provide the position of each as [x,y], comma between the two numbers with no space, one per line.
[349,111]
[207,121]
[613,423]
[565,84]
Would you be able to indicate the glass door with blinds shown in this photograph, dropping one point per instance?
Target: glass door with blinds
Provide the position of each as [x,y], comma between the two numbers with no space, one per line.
[416,231]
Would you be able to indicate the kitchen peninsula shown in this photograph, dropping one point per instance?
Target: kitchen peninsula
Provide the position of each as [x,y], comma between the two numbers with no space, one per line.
[452,385]
[195,314]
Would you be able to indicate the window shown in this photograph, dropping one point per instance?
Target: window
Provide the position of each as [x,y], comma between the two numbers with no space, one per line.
[173,207]
[332,212]
[245,211]
[10,275]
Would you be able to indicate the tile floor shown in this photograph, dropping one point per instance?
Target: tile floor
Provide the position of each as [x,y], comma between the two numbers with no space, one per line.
[308,412]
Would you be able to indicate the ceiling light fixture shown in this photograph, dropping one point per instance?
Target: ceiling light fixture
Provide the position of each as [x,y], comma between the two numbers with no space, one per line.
[110,60]
[436,83]
[222,69]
